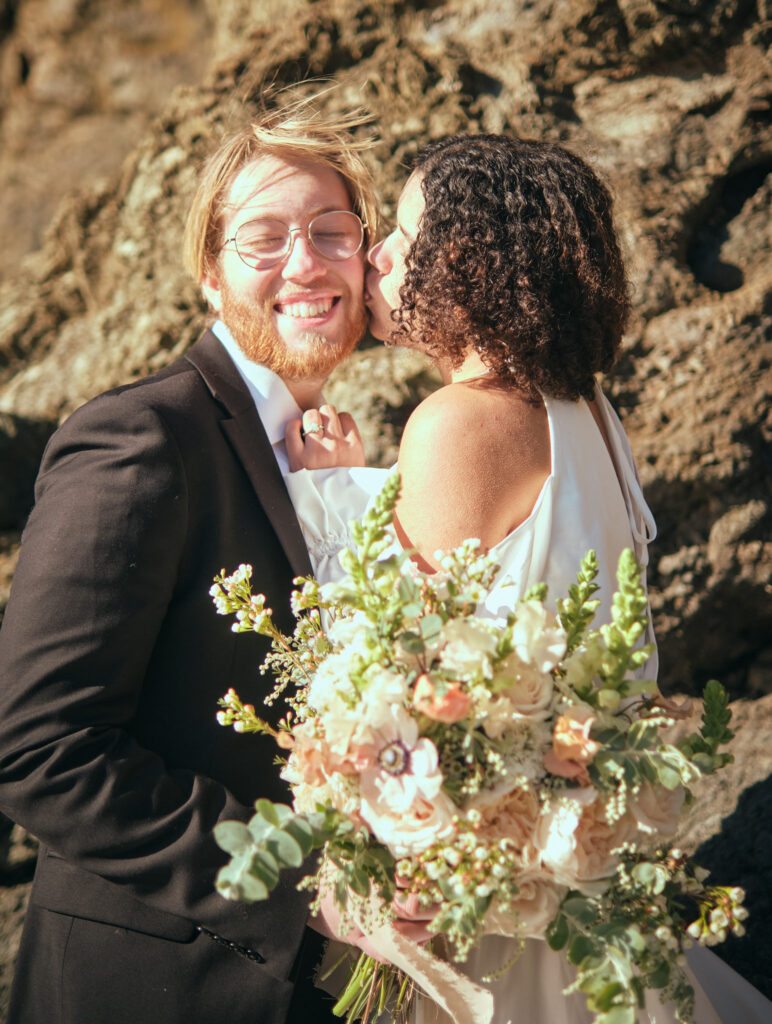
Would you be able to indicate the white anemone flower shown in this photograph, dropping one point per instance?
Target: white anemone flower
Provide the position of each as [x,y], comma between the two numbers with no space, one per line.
[406,765]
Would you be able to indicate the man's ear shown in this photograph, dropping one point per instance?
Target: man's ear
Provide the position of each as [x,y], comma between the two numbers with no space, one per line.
[210,286]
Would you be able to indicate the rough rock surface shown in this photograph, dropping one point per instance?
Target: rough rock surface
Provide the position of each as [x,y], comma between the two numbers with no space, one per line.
[669,98]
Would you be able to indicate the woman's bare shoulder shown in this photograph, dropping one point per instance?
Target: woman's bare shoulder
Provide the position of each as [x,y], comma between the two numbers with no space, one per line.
[483,420]
[471,463]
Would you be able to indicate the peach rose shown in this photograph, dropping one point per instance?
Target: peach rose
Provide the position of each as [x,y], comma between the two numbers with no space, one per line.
[450,706]
[572,749]
[313,760]
[513,816]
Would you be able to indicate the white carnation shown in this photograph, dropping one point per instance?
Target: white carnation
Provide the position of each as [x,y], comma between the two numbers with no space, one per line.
[537,636]
[468,646]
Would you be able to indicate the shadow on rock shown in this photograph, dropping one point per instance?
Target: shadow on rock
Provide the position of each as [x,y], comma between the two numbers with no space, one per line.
[22,441]
[740,855]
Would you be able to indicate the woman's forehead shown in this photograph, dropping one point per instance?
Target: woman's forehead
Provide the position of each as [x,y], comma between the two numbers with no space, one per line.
[411,205]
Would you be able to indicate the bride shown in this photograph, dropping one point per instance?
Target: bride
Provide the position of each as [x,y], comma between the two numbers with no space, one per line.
[504,267]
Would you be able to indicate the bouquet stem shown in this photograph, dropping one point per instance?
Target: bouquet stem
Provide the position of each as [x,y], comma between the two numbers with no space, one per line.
[369,990]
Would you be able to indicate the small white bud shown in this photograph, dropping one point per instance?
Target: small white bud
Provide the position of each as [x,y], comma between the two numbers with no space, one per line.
[718,919]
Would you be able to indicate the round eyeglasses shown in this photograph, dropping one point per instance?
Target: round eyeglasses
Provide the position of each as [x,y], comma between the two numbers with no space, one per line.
[336,235]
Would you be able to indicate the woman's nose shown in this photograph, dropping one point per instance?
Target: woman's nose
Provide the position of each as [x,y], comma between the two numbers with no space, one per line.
[375,255]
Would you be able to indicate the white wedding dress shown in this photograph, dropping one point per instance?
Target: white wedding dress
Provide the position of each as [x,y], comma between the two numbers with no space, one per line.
[591,499]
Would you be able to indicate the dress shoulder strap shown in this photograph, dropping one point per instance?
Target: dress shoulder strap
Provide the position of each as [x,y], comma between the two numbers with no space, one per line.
[642,525]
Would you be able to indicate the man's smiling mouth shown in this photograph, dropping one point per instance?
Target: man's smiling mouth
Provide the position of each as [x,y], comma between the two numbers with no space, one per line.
[305,308]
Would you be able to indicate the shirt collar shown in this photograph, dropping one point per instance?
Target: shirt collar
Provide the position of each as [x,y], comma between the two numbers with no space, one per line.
[273,400]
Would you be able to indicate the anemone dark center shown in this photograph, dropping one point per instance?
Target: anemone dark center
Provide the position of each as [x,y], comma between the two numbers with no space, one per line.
[394,758]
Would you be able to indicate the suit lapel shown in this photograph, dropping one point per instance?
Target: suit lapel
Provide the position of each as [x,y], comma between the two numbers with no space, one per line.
[246,435]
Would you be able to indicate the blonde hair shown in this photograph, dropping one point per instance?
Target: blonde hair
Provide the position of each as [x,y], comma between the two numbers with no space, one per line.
[299,131]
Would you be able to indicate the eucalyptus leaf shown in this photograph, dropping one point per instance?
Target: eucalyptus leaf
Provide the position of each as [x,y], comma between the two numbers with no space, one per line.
[668,776]
[265,868]
[235,881]
[286,850]
[341,891]
[580,948]
[359,881]
[412,611]
[430,626]
[259,828]
[412,642]
[302,832]
[266,809]
[580,909]
[232,836]
[557,932]
[609,995]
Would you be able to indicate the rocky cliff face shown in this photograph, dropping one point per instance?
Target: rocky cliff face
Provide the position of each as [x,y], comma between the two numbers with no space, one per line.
[670,99]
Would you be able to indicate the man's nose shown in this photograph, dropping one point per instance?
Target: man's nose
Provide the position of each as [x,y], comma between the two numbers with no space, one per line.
[302,259]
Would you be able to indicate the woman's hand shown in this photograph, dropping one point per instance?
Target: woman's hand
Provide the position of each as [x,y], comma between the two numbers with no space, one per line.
[323,438]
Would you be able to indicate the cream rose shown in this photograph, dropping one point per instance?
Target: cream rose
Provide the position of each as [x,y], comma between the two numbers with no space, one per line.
[413,831]
[528,690]
[532,909]
[656,809]
[339,791]
[575,840]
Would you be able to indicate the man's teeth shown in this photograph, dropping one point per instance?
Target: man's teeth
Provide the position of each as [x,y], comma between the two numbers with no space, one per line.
[305,309]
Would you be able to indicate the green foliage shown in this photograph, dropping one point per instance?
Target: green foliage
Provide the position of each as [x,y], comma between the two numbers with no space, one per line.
[702,747]
[577,611]
[276,838]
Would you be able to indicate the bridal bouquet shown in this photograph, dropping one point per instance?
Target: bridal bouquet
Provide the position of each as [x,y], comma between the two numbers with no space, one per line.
[514,777]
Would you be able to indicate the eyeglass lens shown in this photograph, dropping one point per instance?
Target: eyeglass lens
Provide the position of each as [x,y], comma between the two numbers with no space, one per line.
[336,236]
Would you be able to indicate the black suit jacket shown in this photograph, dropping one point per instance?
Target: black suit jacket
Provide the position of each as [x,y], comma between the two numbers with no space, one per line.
[112,659]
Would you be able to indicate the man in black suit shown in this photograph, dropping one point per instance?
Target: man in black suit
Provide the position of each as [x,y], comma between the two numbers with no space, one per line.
[111,655]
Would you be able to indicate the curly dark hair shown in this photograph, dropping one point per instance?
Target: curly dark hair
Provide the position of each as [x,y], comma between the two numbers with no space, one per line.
[517,256]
